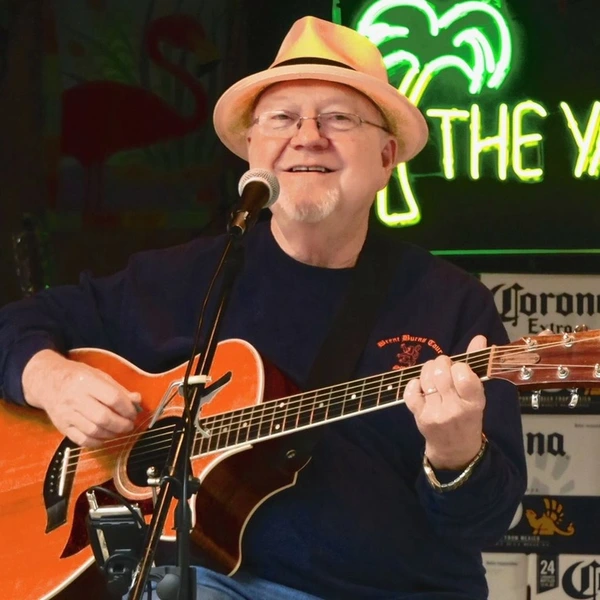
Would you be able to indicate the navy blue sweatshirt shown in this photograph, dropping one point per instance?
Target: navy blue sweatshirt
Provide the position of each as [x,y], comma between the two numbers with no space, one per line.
[361,521]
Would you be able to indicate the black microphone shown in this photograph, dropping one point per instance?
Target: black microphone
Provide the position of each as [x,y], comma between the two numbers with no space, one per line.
[258,189]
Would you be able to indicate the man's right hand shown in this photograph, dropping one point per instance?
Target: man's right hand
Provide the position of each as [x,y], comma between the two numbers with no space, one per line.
[83,403]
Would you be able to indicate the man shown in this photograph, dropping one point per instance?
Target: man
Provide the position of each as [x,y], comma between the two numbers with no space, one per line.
[394,504]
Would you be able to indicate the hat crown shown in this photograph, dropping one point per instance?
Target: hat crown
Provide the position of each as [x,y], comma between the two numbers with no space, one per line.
[319,50]
[316,40]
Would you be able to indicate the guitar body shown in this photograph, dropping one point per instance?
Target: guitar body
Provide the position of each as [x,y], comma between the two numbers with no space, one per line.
[31,566]
[44,544]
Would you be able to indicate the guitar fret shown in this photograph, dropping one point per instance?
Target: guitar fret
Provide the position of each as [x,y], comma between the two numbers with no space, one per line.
[205,424]
[368,399]
[254,424]
[319,413]
[305,413]
[334,406]
[221,429]
[261,410]
[213,439]
[197,445]
[244,425]
[266,420]
[351,401]
[279,417]
[232,430]
[292,414]
[388,392]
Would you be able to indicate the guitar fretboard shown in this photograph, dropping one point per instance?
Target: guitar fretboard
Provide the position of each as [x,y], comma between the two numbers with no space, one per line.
[317,407]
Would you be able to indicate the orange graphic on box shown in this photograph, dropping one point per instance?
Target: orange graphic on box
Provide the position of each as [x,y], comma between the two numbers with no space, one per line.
[549,522]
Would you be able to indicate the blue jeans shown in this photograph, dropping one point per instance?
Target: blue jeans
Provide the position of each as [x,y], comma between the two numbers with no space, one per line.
[213,586]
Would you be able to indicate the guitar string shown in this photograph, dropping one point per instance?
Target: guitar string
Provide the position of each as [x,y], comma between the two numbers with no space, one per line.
[211,419]
[393,375]
[166,431]
[158,445]
[158,448]
[260,418]
[117,443]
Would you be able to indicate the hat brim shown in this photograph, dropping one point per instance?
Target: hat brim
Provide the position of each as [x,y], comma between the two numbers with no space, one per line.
[233,110]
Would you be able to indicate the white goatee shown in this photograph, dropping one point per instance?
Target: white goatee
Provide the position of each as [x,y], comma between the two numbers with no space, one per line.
[309,210]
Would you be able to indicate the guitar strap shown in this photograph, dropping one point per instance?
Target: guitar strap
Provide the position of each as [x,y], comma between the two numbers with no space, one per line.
[349,332]
[352,324]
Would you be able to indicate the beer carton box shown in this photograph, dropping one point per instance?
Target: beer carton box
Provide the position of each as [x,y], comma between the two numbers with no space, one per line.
[560,512]
[506,575]
[530,303]
[562,454]
[564,576]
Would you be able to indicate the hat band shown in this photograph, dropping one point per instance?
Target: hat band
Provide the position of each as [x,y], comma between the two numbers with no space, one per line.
[308,60]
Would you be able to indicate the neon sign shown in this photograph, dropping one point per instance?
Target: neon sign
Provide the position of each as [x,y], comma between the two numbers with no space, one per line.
[472,39]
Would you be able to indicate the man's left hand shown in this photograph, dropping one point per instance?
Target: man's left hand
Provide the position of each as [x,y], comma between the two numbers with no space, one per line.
[447,401]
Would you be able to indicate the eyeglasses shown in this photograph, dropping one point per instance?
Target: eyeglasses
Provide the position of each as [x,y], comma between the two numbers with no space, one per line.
[283,123]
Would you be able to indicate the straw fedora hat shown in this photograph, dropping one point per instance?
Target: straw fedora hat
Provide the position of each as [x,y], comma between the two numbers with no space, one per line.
[318,49]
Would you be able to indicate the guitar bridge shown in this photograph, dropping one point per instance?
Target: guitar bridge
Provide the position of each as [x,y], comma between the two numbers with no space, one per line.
[58,484]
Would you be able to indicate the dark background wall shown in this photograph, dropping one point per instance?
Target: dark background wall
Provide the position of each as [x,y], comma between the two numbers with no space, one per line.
[560,61]
[48,241]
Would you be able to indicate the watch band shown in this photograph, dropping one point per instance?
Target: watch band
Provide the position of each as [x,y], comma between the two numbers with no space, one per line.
[462,478]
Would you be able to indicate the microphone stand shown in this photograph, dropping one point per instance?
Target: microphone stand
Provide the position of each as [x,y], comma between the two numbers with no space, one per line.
[179,481]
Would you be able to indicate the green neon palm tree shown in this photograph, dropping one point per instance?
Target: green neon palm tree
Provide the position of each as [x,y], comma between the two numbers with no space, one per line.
[488,46]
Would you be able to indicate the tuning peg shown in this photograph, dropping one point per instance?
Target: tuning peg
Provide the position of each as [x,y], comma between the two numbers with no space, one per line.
[535,399]
[531,343]
[580,328]
[574,397]
[568,339]
[525,373]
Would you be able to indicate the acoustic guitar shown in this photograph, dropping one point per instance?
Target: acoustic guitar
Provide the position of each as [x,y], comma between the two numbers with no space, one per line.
[44,545]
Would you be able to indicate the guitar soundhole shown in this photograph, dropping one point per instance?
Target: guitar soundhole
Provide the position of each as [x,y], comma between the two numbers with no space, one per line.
[151,450]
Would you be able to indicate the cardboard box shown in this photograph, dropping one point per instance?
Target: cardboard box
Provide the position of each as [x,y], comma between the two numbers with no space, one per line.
[562,454]
[506,575]
[554,525]
[564,576]
[560,514]
[530,303]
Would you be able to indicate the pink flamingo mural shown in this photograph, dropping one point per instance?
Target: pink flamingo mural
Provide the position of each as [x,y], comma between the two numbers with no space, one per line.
[101,118]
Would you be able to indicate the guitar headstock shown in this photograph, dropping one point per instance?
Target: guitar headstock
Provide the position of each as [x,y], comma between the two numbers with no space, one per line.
[568,360]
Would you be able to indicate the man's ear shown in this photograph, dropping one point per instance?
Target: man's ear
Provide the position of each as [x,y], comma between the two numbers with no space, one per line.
[389,153]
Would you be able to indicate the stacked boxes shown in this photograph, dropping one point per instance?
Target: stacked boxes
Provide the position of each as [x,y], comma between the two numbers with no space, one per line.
[552,550]
[553,545]
[542,576]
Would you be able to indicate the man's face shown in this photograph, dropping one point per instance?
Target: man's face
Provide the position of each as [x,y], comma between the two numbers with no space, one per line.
[354,164]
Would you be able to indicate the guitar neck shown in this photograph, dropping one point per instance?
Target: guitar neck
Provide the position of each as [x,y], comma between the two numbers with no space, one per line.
[316,407]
